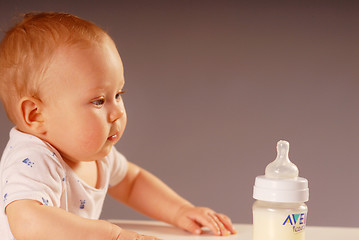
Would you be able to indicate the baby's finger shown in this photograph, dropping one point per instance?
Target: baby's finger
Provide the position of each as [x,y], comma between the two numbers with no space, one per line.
[211,221]
[226,222]
[190,226]
[222,228]
[144,237]
[149,238]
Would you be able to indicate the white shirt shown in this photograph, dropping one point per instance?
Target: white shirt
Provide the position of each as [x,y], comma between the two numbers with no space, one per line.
[32,169]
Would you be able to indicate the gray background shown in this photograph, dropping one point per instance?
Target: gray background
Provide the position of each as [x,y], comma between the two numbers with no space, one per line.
[213,85]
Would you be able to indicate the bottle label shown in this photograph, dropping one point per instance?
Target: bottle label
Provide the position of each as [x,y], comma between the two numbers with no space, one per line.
[296,222]
[279,225]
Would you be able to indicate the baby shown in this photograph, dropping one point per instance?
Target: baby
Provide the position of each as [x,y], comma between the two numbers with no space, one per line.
[62,83]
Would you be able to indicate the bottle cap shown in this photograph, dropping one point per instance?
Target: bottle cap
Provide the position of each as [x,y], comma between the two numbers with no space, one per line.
[281,182]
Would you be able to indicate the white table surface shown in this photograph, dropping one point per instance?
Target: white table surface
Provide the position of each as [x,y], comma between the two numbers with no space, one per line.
[168,232]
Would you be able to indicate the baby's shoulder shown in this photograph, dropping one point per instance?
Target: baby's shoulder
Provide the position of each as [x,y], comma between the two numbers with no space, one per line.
[30,150]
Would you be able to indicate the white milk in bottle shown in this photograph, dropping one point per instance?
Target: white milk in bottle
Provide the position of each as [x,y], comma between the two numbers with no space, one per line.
[280,212]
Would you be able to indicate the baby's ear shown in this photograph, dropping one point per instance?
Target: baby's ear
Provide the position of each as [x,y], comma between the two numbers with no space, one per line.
[31,114]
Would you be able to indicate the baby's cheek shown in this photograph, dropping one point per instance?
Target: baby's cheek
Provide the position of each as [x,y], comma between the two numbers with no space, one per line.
[94,138]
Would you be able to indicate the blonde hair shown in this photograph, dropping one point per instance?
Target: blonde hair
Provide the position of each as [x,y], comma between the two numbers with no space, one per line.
[27,49]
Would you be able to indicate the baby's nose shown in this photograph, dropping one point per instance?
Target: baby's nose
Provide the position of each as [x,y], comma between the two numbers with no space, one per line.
[117,113]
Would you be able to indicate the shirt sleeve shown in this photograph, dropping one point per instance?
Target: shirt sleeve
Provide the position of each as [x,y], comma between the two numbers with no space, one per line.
[119,166]
[33,174]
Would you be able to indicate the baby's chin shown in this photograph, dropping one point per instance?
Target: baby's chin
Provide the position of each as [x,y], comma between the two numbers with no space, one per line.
[88,157]
[105,150]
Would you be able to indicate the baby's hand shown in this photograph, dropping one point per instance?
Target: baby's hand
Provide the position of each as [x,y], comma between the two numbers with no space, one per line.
[193,218]
[129,235]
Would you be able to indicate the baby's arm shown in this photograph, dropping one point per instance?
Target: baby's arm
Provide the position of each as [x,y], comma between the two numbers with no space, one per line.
[28,219]
[147,194]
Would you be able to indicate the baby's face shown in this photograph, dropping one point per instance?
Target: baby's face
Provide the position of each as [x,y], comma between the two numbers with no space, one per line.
[83,111]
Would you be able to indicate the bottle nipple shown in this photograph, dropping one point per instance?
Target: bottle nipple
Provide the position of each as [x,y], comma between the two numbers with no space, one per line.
[282,167]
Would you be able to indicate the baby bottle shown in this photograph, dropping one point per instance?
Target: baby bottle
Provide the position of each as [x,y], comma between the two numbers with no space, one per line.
[280,212]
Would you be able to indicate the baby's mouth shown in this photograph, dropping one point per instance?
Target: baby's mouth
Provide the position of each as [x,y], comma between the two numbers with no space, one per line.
[113,137]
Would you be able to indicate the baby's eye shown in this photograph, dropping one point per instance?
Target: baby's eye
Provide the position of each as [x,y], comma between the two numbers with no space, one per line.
[98,102]
[118,95]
